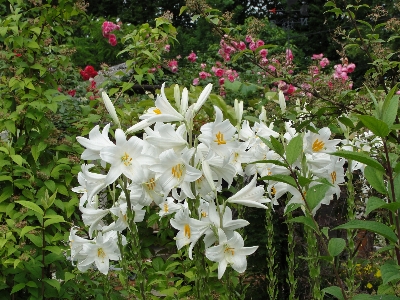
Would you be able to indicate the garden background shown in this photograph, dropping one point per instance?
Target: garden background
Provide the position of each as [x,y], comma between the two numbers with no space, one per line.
[313,85]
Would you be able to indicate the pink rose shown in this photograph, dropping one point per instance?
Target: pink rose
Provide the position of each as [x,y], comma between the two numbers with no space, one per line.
[192,57]
[324,62]
[196,81]
[219,72]
[317,56]
[350,68]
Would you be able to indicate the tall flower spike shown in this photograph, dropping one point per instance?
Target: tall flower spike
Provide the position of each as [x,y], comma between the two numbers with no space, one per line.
[110,108]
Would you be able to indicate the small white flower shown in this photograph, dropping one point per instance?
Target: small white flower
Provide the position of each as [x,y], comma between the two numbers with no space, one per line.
[230,252]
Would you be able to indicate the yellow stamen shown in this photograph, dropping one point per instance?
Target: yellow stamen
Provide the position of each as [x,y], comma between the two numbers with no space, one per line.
[177,171]
[228,249]
[157,111]
[198,181]
[220,138]
[151,184]
[273,191]
[165,207]
[333,176]
[126,159]
[203,214]
[318,145]
[186,230]
[101,253]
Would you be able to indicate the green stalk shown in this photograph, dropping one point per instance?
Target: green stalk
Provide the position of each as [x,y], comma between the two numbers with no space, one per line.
[350,265]
[271,252]
[313,263]
[291,260]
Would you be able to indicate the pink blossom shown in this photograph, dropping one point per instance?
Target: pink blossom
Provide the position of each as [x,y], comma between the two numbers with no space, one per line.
[221,80]
[291,89]
[271,68]
[196,81]
[59,88]
[173,65]
[167,48]
[242,46]
[219,72]
[317,56]
[324,62]
[203,66]
[289,55]
[112,39]
[263,61]
[398,93]
[108,27]
[252,46]
[72,93]
[152,70]
[204,75]
[290,71]
[248,39]
[259,43]
[350,68]
[314,70]
[231,78]
[263,52]
[192,57]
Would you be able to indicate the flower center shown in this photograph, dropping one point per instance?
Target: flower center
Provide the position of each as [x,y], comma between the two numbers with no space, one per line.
[151,184]
[157,111]
[333,176]
[177,170]
[101,253]
[229,250]
[165,207]
[186,230]
[273,191]
[203,214]
[220,138]
[126,159]
[318,145]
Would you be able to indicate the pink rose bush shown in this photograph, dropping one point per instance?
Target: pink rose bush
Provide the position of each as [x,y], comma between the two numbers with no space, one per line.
[107,28]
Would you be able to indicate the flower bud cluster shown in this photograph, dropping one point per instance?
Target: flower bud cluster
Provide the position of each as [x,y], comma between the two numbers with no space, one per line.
[107,28]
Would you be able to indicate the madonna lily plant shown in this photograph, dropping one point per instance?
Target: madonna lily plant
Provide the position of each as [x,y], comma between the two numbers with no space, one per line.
[168,167]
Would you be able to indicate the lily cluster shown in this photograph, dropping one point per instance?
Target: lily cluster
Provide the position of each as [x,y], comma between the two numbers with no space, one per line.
[183,175]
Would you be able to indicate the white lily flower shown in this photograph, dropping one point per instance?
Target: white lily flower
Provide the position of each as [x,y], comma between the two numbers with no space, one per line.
[104,249]
[202,98]
[282,101]
[251,195]
[165,137]
[124,157]
[238,111]
[219,135]
[319,142]
[148,189]
[174,170]
[228,225]
[190,230]
[110,108]
[230,252]
[93,217]
[95,142]
[168,207]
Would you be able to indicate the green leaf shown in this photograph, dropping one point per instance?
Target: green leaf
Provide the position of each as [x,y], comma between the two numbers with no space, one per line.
[390,107]
[378,127]
[282,178]
[53,282]
[17,287]
[315,195]
[31,206]
[157,263]
[17,159]
[374,203]
[390,271]
[183,8]
[372,226]
[169,292]
[37,240]
[291,207]
[336,246]
[334,291]
[27,229]
[294,149]
[360,157]
[55,219]
[306,220]
[375,179]
[274,144]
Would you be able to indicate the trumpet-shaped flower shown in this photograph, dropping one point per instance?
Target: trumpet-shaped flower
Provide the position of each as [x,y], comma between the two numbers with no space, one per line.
[251,195]
[95,142]
[124,157]
[174,170]
[168,207]
[110,108]
[91,184]
[230,252]
[319,142]
[219,135]
[100,252]
[190,230]
[165,137]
